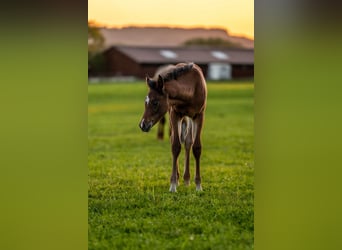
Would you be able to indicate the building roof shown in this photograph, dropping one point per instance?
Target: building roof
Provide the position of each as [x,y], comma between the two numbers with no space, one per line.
[166,36]
[199,55]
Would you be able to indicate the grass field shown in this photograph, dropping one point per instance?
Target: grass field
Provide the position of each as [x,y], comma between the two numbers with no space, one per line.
[130,206]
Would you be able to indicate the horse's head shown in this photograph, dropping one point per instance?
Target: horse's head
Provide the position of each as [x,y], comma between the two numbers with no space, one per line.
[155,104]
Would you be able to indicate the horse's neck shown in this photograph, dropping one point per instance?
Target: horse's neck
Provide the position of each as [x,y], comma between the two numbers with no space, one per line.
[179,92]
[175,102]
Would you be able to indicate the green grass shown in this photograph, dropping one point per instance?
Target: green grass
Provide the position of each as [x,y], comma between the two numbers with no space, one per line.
[130,206]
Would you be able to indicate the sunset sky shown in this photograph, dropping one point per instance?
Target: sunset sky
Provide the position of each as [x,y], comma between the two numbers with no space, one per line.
[236,16]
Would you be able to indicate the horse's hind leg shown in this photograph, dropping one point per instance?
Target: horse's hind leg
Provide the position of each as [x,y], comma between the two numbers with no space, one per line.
[188,141]
[197,148]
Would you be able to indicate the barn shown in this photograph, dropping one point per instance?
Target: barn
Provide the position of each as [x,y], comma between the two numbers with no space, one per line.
[216,63]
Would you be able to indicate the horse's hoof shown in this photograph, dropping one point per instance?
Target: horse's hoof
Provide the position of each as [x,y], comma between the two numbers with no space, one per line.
[186,182]
[199,187]
[173,187]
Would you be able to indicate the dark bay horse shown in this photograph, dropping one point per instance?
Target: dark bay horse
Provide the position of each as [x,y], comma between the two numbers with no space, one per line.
[181,91]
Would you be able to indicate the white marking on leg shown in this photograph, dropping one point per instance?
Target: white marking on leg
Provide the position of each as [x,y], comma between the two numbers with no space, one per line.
[198,187]
[147,99]
[173,187]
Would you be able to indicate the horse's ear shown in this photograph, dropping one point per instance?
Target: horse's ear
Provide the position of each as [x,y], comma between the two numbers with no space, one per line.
[150,83]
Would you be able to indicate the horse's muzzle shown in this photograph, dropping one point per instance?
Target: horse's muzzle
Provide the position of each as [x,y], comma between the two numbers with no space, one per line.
[145,127]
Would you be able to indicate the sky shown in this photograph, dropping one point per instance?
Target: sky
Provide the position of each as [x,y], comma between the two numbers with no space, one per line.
[236,16]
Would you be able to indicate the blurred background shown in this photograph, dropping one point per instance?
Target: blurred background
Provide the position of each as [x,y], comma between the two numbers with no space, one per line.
[127,40]
[129,205]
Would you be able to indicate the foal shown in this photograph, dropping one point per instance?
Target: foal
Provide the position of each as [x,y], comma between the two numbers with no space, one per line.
[182,92]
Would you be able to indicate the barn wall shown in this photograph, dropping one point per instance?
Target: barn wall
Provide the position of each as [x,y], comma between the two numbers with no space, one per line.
[243,71]
[150,69]
[118,64]
[204,68]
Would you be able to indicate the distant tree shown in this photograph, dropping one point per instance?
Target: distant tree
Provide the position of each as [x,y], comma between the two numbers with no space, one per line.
[95,39]
[95,45]
[217,42]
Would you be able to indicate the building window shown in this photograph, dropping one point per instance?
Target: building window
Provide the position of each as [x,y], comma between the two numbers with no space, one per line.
[219,55]
[168,54]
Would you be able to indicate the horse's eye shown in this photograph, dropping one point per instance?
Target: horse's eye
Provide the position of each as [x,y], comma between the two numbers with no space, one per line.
[155,103]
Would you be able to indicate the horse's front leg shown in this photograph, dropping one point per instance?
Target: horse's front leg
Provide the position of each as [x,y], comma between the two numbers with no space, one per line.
[176,148]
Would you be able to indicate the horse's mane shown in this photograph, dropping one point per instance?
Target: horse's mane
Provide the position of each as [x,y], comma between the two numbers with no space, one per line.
[177,72]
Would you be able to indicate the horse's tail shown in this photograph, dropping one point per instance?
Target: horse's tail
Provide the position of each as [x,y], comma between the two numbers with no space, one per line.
[185,129]
[177,72]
